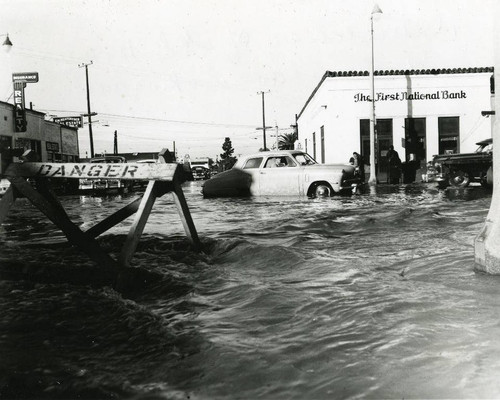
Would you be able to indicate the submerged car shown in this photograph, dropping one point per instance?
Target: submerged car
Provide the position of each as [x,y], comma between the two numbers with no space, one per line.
[282,173]
[461,169]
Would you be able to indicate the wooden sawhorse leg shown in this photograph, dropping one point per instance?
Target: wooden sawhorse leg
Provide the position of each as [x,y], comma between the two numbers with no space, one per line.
[154,190]
[48,204]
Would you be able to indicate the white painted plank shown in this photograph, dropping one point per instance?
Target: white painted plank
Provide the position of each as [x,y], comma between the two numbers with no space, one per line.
[124,171]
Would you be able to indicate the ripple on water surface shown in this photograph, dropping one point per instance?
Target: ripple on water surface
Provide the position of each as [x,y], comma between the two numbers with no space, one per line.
[350,297]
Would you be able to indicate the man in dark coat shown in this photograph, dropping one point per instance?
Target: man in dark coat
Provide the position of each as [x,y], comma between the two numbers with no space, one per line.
[359,164]
[394,166]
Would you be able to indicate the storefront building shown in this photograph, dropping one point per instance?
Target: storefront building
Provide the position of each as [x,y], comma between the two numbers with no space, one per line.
[51,141]
[420,112]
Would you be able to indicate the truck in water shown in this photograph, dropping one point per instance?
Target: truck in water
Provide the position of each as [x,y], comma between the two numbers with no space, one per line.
[459,170]
[201,168]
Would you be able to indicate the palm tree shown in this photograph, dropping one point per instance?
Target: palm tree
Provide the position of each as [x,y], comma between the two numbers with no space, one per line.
[286,141]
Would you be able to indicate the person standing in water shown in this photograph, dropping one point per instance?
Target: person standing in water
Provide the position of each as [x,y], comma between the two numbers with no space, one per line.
[359,164]
[394,164]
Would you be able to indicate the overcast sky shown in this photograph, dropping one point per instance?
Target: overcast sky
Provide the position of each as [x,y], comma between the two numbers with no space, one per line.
[190,71]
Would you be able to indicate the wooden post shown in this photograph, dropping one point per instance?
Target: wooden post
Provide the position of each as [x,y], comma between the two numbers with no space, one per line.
[6,203]
[141,217]
[114,219]
[48,206]
[187,221]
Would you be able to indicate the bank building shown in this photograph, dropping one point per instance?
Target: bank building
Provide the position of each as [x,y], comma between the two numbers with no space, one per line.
[420,112]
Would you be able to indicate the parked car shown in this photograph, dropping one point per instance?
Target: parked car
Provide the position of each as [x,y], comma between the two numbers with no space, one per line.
[459,170]
[106,185]
[282,173]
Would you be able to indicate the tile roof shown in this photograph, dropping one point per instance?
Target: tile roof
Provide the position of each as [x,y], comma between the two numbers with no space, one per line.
[433,71]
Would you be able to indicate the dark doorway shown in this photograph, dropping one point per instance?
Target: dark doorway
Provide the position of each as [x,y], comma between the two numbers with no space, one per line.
[416,141]
[383,139]
[449,135]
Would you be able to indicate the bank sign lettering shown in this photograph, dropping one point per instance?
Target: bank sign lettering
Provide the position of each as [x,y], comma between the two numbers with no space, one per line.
[412,96]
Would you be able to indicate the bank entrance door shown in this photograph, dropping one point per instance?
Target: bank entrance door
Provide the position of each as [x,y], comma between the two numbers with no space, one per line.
[383,139]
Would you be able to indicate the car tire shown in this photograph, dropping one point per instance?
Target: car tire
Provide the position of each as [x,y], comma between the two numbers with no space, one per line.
[459,179]
[322,190]
[487,179]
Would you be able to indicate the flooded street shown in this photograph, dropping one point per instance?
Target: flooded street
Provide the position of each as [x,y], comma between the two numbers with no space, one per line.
[370,296]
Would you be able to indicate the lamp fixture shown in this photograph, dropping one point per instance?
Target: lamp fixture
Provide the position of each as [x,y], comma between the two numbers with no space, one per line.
[7,44]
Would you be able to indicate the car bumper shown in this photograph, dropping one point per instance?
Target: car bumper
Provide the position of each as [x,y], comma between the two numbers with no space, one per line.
[349,188]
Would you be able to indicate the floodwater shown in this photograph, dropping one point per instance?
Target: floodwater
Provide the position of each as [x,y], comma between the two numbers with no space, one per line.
[370,296]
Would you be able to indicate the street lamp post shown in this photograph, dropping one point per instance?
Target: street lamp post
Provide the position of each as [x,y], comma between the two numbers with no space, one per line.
[373,124]
[264,127]
[6,46]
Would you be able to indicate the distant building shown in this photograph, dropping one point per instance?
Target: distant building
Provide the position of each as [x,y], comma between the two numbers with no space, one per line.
[51,141]
[130,157]
[420,112]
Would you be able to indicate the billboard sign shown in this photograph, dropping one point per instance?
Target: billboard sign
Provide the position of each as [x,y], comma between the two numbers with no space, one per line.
[72,122]
[30,77]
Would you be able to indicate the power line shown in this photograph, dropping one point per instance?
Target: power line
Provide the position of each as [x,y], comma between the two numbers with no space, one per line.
[130,117]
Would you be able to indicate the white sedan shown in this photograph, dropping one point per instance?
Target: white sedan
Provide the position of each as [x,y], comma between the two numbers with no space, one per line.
[282,173]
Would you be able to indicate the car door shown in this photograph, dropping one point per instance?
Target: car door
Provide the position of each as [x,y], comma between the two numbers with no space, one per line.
[251,168]
[279,176]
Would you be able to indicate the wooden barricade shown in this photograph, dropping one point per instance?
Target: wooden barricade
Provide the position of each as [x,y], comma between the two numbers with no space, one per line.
[162,178]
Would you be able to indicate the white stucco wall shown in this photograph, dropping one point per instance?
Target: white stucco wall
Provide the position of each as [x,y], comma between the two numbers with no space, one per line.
[341,102]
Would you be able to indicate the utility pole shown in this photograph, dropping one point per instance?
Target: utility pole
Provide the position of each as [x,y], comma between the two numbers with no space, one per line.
[263,118]
[296,127]
[89,114]
[115,143]
[277,147]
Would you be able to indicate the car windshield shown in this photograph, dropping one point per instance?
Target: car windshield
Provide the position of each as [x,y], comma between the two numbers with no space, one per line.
[304,159]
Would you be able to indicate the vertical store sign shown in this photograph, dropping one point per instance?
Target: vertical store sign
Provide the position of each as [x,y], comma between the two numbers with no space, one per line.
[20,123]
[20,79]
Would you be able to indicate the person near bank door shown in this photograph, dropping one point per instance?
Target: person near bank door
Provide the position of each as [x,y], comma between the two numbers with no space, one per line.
[359,165]
[394,166]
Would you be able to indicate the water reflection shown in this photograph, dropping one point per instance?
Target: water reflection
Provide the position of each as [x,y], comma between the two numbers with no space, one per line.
[469,193]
